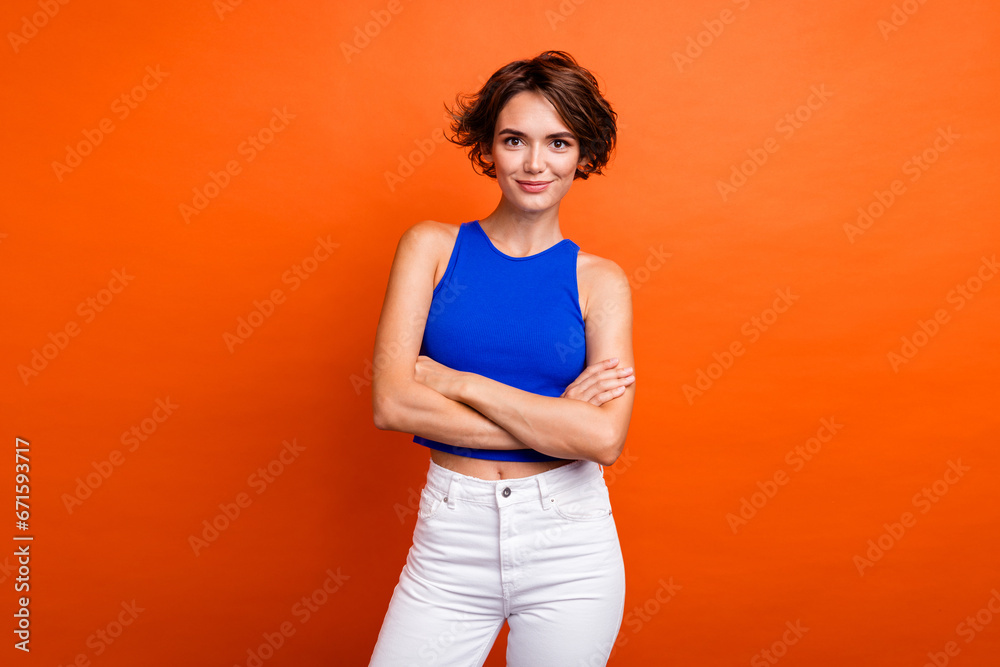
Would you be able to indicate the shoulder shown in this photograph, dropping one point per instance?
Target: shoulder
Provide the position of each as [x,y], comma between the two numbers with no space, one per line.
[599,268]
[603,284]
[424,249]
[427,237]
[430,231]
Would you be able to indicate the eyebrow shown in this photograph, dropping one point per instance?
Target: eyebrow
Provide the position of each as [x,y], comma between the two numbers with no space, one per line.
[518,133]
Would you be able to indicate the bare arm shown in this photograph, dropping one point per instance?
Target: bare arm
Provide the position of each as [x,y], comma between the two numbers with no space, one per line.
[554,426]
[399,402]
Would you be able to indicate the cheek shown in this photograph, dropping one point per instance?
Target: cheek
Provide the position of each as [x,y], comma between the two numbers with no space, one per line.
[571,164]
[504,162]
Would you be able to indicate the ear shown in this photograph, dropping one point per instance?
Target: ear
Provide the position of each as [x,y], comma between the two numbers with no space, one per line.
[485,152]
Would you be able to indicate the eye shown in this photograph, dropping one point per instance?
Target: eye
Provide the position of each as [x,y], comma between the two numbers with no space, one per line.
[509,139]
[565,144]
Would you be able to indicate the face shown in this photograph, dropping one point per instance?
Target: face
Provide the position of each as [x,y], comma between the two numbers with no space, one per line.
[534,153]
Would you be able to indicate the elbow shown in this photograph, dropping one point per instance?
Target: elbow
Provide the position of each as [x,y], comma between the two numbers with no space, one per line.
[383,413]
[611,448]
[608,457]
[390,406]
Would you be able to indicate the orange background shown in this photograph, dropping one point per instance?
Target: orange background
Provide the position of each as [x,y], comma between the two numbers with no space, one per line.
[344,503]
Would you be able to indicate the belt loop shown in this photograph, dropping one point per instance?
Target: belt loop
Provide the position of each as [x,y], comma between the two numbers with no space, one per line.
[452,492]
[543,491]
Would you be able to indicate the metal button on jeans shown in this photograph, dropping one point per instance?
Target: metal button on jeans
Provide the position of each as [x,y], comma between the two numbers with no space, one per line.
[506,492]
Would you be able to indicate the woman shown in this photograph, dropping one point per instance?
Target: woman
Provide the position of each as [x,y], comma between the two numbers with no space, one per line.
[508,352]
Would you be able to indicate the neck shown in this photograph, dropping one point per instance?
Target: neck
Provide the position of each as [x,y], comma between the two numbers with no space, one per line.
[520,233]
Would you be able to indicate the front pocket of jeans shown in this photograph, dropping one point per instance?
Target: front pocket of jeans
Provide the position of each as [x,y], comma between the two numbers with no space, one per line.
[587,502]
[431,502]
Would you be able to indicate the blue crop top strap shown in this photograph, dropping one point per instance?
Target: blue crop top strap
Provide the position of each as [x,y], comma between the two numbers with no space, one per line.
[516,320]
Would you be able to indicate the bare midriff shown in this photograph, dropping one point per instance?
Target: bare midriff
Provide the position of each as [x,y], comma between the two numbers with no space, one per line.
[486,469]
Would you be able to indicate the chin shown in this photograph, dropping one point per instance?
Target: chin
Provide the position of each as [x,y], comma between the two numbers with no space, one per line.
[535,204]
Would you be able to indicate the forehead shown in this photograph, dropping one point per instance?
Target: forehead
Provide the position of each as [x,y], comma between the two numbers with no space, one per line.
[530,110]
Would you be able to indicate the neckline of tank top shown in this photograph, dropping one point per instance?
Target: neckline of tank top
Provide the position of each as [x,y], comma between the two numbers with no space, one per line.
[475,223]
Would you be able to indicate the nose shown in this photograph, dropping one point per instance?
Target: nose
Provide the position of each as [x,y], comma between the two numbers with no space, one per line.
[534,161]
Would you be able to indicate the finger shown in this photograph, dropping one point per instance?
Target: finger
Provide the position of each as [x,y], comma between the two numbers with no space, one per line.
[614,385]
[597,386]
[592,374]
[617,386]
[601,365]
[610,395]
[607,380]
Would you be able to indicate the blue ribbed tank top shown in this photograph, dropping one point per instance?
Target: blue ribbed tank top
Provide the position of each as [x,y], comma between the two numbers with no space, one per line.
[515,320]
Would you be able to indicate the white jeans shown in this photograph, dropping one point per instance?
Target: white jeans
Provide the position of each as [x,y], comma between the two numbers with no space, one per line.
[541,552]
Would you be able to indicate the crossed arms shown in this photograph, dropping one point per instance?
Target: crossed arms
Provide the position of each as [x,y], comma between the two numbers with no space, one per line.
[415,394]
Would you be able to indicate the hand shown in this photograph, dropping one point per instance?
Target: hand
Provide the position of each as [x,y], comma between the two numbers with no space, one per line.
[600,383]
[437,376]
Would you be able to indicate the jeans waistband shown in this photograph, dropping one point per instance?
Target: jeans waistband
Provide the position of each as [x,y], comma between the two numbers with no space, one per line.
[538,488]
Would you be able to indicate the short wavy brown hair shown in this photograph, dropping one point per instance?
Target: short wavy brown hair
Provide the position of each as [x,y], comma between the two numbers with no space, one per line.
[571,89]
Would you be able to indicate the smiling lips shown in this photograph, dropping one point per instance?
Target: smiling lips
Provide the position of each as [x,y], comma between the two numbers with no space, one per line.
[533,186]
